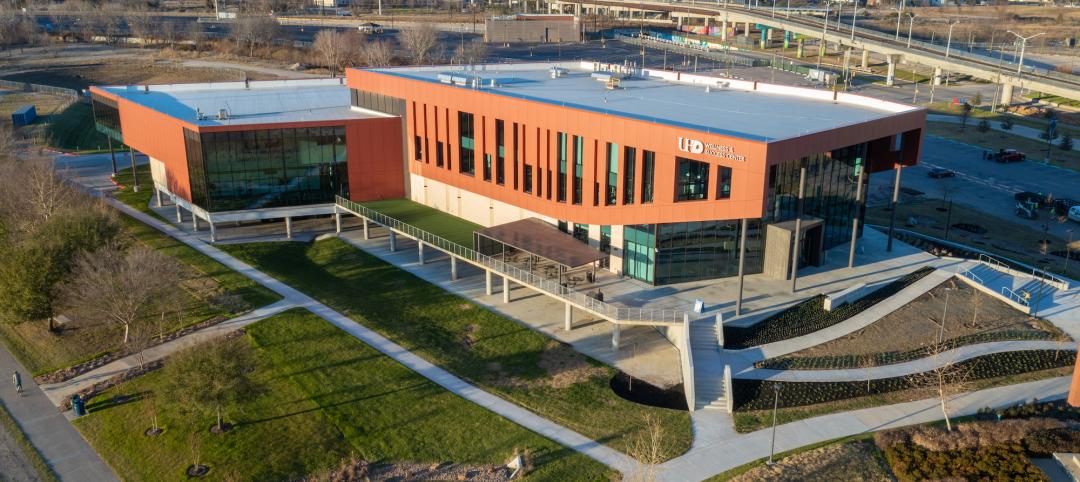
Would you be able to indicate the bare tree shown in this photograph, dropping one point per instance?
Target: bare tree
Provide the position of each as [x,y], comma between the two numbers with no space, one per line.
[330,44]
[376,54]
[143,29]
[121,286]
[31,193]
[948,379]
[647,447]
[471,53]
[253,30]
[420,42]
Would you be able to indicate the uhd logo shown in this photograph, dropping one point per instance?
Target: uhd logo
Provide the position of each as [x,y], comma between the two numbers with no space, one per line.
[690,145]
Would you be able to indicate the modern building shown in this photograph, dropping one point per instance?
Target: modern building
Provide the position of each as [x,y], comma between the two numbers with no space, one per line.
[673,177]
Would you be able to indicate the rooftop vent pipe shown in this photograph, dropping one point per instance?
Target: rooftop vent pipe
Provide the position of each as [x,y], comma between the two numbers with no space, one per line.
[146,88]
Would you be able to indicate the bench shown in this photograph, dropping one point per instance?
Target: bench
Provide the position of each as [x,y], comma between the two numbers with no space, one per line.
[838,299]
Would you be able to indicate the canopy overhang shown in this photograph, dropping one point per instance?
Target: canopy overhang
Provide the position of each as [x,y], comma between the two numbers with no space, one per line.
[544,240]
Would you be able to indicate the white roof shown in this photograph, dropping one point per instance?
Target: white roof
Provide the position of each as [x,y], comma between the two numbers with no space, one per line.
[712,104]
[257,102]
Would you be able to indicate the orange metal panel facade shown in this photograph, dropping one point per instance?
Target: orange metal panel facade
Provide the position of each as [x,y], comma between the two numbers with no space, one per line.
[436,106]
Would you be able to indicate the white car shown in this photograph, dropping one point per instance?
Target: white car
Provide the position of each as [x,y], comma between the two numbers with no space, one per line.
[1074,213]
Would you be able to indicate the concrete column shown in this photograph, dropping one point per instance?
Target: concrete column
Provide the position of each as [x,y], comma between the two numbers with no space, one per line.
[194,222]
[506,289]
[799,48]
[393,241]
[453,268]
[487,282]
[179,215]
[746,29]
[937,75]
[157,196]
[678,21]
[213,232]
[367,230]
[723,31]
[337,222]
[787,39]
[890,77]
[865,59]
[568,317]
[420,252]
[615,336]
[288,227]
[1006,94]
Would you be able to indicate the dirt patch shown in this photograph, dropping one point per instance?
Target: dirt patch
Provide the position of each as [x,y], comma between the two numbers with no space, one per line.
[128,72]
[469,337]
[362,470]
[853,461]
[917,324]
[564,367]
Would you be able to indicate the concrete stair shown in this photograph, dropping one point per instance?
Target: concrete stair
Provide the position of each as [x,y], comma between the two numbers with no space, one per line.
[709,389]
[994,280]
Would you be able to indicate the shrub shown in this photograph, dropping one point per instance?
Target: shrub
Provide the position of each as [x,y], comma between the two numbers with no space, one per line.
[758,394]
[1043,443]
[1001,462]
[1057,409]
[810,316]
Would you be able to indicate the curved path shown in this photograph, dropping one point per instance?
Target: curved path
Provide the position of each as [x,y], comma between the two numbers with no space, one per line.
[957,354]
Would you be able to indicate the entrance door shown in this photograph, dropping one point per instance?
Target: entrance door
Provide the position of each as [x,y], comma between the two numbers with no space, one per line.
[810,250]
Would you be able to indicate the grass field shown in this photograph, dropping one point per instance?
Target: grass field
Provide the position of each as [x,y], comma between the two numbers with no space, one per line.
[1004,237]
[328,396]
[994,140]
[432,220]
[73,129]
[493,352]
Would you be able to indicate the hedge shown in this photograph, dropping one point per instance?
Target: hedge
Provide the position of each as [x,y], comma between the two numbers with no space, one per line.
[839,362]
[910,462]
[758,394]
[810,316]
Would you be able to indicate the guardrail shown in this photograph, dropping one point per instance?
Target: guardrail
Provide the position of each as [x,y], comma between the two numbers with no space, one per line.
[44,89]
[687,359]
[1014,296]
[973,276]
[1049,278]
[548,286]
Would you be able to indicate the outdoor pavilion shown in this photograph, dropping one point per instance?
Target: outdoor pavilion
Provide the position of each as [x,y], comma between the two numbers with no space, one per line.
[540,248]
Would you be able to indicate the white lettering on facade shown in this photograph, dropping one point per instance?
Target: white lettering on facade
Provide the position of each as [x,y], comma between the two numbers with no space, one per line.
[695,146]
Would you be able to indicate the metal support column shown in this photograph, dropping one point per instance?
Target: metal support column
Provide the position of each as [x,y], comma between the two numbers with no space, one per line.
[568,317]
[213,232]
[858,214]
[337,221]
[194,221]
[157,196]
[179,214]
[892,207]
[134,175]
[742,265]
[112,155]
[798,227]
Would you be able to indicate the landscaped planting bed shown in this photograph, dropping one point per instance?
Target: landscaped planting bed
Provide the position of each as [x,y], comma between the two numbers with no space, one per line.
[810,316]
[1002,462]
[758,394]
[911,332]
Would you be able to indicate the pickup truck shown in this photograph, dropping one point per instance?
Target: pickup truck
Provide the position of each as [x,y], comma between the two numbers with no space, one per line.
[1009,155]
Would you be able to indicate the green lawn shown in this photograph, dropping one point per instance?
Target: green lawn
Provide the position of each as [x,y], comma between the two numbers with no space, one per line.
[995,139]
[73,129]
[432,220]
[480,346]
[328,396]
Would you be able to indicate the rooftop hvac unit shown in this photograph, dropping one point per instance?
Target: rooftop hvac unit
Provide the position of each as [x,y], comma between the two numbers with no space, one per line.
[223,114]
[557,72]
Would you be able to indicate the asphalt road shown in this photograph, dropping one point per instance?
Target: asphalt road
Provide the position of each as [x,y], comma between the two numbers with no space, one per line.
[985,185]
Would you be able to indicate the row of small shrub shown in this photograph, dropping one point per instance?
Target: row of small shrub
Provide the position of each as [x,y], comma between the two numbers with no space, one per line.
[966,435]
[910,462]
[758,394]
[838,362]
[810,316]
[1058,409]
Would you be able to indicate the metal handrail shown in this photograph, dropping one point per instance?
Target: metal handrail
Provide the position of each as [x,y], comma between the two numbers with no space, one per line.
[547,285]
[1034,273]
[1012,295]
[973,276]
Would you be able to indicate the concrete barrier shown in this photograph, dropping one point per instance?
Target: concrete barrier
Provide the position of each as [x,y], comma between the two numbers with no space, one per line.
[848,295]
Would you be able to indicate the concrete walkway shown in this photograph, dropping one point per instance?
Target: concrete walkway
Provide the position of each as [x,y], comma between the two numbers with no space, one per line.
[711,455]
[58,392]
[514,413]
[63,448]
[957,354]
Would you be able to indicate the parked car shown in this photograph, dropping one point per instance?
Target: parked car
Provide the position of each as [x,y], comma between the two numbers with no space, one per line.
[940,172]
[1009,155]
[1033,199]
[1026,211]
[1074,213]
[370,27]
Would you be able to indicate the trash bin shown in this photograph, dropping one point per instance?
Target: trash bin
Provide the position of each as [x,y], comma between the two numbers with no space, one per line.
[78,406]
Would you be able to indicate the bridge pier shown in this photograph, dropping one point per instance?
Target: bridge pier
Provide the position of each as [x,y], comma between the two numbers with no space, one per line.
[937,75]
[746,30]
[367,230]
[487,282]
[213,232]
[723,31]
[337,220]
[799,48]
[787,39]
[865,59]
[568,317]
[288,227]
[194,222]
[890,77]
[1006,94]
[179,215]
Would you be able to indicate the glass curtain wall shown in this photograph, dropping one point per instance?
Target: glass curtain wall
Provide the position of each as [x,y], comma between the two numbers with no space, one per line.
[466,151]
[629,164]
[692,179]
[638,253]
[648,167]
[612,174]
[579,167]
[680,252]
[106,116]
[831,184]
[560,194]
[267,168]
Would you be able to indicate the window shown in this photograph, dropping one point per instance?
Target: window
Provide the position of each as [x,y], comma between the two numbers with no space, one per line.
[612,174]
[629,165]
[560,139]
[581,232]
[638,253]
[528,178]
[648,167]
[500,152]
[487,167]
[466,150]
[579,167]
[691,178]
[605,245]
[723,182]
[418,148]
[439,153]
[563,226]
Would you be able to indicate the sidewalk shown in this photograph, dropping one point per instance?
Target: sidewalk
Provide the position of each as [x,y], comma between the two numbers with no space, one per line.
[58,392]
[62,447]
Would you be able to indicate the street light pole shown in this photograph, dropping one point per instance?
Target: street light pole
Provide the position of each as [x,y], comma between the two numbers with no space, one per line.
[911,23]
[776,404]
[1023,46]
[948,46]
[941,333]
[853,17]
[1068,252]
